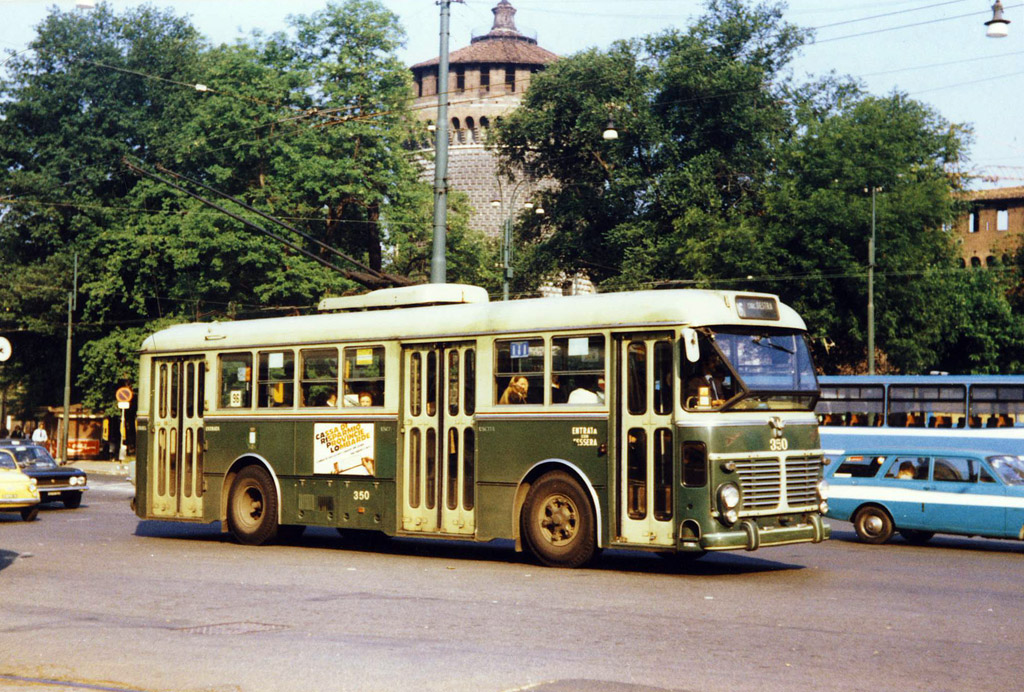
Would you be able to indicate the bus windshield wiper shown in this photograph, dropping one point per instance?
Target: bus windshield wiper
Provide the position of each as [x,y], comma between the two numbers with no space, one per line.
[760,341]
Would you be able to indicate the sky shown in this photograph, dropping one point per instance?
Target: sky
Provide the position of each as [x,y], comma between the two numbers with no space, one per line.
[935,51]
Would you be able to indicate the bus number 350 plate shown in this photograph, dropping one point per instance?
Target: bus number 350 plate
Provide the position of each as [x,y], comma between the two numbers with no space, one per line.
[778,444]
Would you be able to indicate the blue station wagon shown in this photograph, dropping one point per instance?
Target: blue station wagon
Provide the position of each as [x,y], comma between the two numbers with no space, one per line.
[921,493]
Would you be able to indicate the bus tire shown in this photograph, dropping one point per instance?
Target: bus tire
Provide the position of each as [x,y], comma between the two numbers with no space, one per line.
[916,537]
[873,525]
[557,522]
[252,507]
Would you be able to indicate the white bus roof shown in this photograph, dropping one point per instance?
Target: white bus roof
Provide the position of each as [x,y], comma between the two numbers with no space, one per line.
[470,317]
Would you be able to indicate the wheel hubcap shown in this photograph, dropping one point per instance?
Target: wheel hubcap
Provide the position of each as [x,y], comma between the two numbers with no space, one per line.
[873,525]
[560,520]
[250,506]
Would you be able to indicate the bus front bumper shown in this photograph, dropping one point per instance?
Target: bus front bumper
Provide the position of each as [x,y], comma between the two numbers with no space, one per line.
[747,535]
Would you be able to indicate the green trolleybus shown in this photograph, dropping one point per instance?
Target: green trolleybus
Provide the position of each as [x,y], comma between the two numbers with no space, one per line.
[675,421]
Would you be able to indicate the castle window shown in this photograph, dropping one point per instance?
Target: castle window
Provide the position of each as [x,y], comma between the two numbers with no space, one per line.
[485,79]
[460,79]
[510,79]
[975,261]
[1002,220]
[471,126]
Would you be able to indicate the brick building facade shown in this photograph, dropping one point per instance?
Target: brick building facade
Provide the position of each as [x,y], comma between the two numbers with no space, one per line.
[486,80]
[993,229]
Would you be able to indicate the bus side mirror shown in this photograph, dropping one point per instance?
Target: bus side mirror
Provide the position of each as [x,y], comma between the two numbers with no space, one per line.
[690,344]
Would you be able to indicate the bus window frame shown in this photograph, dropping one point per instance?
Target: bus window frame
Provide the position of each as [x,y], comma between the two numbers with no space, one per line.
[247,392]
[378,386]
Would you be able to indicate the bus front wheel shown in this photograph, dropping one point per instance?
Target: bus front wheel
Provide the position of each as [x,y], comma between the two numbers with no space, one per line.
[873,525]
[558,523]
[252,507]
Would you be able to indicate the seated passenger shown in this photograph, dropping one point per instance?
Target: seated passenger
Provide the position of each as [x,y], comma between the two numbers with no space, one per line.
[906,471]
[584,396]
[516,391]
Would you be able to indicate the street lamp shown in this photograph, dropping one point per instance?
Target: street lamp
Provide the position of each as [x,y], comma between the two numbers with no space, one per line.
[997,25]
[506,237]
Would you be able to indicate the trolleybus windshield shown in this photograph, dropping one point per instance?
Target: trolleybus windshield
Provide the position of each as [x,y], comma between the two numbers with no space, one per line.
[751,369]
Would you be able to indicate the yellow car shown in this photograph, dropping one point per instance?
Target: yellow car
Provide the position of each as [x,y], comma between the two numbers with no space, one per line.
[17,491]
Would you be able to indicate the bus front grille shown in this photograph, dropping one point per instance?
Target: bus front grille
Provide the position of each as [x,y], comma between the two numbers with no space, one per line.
[763,480]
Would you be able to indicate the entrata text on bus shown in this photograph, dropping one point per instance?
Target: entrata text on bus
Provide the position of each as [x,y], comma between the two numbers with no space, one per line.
[676,421]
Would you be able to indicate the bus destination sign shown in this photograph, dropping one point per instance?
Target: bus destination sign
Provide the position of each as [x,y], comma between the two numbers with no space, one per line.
[757,308]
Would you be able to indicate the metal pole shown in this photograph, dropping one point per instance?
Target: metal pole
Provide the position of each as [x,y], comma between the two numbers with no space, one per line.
[64,434]
[506,256]
[438,266]
[871,289]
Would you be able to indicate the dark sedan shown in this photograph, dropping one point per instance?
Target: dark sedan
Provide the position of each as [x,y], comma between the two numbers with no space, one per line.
[55,482]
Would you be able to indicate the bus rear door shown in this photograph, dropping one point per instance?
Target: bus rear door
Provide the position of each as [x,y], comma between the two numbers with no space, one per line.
[176,437]
[644,469]
[439,447]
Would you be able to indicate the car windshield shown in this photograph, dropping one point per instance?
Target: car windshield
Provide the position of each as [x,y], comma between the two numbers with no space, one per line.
[1009,468]
[750,368]
[7,461]
[34,457]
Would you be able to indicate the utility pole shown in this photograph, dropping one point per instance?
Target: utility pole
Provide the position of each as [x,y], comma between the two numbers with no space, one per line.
[871,288]
[438,265]
[64,434]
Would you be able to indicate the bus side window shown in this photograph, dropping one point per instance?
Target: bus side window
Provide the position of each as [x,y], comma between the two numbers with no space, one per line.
[577,370]
[364,376]
[319,383]
[519,371]
[235,375]
[276,379]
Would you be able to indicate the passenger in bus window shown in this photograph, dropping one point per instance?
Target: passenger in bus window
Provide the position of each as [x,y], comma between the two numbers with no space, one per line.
[558,395]
[332,399]
[516,391]
[365,399]
[906,471]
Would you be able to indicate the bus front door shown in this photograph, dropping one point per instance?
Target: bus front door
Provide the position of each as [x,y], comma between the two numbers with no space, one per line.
[644,461]
[176,437]
[439,448]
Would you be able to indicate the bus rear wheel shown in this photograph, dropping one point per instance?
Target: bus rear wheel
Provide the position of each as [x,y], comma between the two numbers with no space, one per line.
[873,525]
[252,507]
[557,522]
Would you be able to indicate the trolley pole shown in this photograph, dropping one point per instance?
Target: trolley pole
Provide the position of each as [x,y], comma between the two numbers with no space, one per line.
[438,264]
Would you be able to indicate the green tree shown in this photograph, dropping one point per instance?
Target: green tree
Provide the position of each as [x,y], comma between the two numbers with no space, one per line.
[698,115]
[310,125]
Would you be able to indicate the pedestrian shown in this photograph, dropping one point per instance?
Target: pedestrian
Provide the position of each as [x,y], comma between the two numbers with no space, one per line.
[17,434]
[39,435]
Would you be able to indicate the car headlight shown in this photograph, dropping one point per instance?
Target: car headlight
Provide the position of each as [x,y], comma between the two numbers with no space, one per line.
[729,503]
[32,483]
[76,480]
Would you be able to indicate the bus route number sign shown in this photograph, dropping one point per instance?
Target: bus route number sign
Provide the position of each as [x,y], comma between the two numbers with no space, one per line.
[519,349]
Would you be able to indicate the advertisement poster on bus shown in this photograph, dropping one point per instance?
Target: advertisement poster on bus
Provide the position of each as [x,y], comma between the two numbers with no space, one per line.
[343,448]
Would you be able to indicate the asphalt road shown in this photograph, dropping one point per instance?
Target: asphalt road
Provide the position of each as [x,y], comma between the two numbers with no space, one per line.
[94,599]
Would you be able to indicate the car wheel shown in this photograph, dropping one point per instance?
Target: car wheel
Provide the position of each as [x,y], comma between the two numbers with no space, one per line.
[873,525]
[30,513]
[916,537]
[72,499]
[252,507]
[557,522]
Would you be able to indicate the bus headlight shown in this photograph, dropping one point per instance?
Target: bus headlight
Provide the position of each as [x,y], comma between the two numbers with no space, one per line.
[729,503]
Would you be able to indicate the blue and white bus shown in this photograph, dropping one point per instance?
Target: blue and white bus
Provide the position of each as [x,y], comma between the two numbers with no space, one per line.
[953,411]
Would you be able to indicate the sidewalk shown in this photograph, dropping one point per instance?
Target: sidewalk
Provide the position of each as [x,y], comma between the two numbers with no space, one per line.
[102,468]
